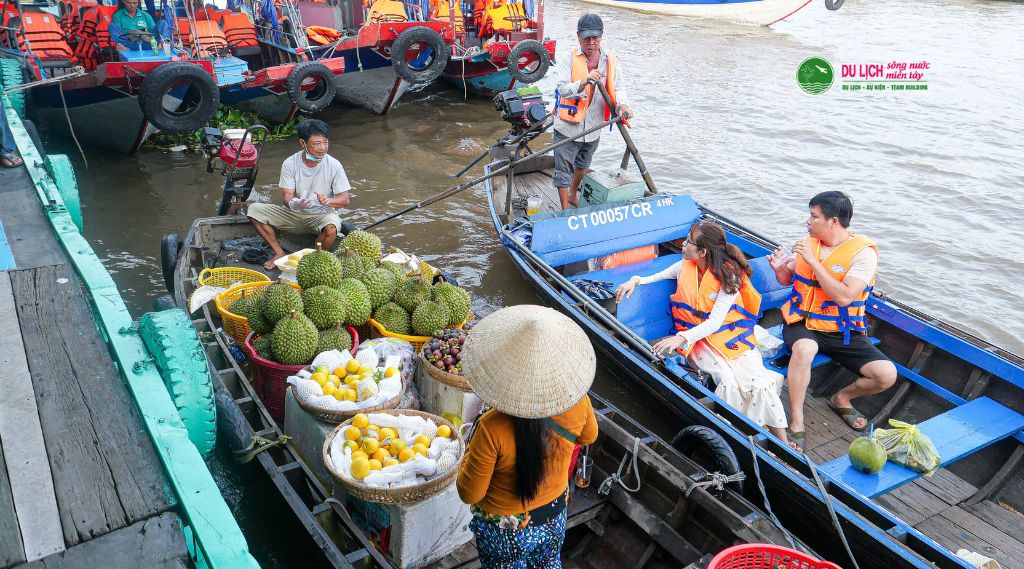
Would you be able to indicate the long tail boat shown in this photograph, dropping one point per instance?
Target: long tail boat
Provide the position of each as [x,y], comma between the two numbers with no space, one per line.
[748,12]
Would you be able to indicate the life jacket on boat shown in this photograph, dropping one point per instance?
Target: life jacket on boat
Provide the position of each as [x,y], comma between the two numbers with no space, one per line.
[627,257]
[504,17]
[440,10]
[573,108]
[41,32]
[206,39]
[387,11]
[93,35]
[811,304]
[322,35]
[692,304]
[238,29]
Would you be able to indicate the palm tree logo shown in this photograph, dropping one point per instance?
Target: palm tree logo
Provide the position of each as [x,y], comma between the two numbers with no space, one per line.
[815,75]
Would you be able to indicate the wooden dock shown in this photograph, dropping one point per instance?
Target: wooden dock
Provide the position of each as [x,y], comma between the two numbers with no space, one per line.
[81,484]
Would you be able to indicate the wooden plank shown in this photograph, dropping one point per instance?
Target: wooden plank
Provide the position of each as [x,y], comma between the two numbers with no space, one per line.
[28,469]
[953,537]
[153,543]
[947,486]
[11,550]
[912,503]
[29,233]
[1009,522]
[106,474]
[655,527]
[956,433]
[1000,540]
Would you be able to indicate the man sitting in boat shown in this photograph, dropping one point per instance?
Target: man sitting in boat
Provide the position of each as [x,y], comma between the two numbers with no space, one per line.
[832,272]
[314,185]
[715,309]
[580,105]
[131,28]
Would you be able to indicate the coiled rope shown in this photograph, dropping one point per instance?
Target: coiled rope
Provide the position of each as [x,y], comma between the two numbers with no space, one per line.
[257,445]
[620,477]
[718,481]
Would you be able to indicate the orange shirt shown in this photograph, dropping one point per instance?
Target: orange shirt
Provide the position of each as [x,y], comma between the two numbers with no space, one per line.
[488,476]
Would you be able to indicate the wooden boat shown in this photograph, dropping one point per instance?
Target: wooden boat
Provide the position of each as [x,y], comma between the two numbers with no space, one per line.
[749,12]
[964,392]
[671,521]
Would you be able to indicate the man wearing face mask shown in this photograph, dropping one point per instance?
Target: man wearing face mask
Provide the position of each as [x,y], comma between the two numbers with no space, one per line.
[313,185]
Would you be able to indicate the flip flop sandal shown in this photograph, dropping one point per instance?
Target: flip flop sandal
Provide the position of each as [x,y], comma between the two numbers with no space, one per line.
[849,415]
[797,438]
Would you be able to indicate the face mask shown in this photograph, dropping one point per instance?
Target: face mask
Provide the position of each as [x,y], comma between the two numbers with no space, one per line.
[312,158]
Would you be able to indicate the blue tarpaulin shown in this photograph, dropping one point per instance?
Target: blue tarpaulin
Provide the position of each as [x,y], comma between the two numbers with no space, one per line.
[269,13]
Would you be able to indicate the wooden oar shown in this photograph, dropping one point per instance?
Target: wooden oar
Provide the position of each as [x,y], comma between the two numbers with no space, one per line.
[461,187]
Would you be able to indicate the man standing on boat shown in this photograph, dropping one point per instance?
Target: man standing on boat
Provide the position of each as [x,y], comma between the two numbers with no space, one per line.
[832,272]
[313,185]
[580,106]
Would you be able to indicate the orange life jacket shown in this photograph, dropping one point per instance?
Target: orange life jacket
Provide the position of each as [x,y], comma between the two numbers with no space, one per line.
[93,34]
[692,304]
[205,40]
[810,302]
[387,11]
[439,10]
[322,35]
[574,107]
[503,16]
[42,33]
[238,30]
[628,257]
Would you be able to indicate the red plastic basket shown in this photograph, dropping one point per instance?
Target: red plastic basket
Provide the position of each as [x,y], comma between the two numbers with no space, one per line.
[270,379]
[765,556]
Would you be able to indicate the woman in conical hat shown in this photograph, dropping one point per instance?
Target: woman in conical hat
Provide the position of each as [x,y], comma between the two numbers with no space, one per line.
[534,367]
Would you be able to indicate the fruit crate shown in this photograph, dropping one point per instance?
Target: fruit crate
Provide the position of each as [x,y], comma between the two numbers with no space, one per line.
[238,326]
[377,330]
[270,379]
[227,277]
[766,556]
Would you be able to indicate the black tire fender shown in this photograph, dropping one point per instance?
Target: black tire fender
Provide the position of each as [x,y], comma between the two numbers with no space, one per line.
[202,92]
[33,133]
[712,444]
[411,37]
[834,4]
[320,96]
[165,302]
[170,246]
[521,49]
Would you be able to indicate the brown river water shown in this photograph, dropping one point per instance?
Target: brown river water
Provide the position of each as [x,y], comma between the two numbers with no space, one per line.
[936,175]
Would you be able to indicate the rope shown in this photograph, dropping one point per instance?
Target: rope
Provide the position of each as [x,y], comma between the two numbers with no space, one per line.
[764,495]
[718,480]
[71,128]
[257,445]
[620,477]
[831,511]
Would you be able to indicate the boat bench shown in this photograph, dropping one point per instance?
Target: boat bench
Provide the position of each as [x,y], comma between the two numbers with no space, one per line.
[956,433]
[819,358]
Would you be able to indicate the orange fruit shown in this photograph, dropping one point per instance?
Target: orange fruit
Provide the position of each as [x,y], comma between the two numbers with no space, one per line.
[319,378]
[423,440]
[419,449]
[360,421]
[334,379]
[375,464]
[382,454]
[390,462]
[352,445]
[359,454]
[352,366]
[370,445]
[353,433]
[405,454]
[444,431]
[361,467]
[339,371]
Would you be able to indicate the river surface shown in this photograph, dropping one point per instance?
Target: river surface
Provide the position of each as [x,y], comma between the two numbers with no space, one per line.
[936,175]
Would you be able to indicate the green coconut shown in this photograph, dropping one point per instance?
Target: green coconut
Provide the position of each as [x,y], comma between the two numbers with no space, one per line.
[867,455]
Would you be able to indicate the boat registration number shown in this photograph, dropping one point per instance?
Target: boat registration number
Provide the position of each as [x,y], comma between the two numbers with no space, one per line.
[618,214]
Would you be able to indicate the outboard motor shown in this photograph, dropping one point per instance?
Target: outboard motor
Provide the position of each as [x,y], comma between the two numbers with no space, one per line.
[238,160]
[523,107]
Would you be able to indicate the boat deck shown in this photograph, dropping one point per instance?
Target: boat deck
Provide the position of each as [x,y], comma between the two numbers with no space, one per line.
[80,482]
[940,506]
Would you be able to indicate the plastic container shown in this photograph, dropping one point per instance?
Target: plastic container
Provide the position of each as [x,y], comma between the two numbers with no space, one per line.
[270,379]
[377,330]
[766,556]
[237,326]
[533,205]
[288,273]
[227,277]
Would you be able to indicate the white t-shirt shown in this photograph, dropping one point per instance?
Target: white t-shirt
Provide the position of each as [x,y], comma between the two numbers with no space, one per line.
[328,178]
[862,266]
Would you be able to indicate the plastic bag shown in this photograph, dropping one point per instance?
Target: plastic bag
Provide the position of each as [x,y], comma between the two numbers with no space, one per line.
[768,345]
[905,444]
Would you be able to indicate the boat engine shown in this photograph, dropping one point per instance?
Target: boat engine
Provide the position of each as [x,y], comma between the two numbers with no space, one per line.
[523,108]
[236,154]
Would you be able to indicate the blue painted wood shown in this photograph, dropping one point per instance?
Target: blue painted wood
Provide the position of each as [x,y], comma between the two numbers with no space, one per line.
[957,433]
[616,227]
[819,358]
[773,295]
[6,255]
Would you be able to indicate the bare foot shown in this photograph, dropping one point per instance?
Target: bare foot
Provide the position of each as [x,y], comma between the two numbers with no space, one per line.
[11,161]
[269,265]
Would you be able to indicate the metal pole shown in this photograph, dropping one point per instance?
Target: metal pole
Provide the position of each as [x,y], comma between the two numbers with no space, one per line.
[452,191]
[630,145]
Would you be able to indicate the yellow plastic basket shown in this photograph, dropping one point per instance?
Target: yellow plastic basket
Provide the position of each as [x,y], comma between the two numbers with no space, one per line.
[226,277]
[238,326]
[377,330]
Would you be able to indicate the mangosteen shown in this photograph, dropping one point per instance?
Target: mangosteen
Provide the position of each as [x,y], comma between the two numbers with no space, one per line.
[448,361]
[439,364]
[455,352]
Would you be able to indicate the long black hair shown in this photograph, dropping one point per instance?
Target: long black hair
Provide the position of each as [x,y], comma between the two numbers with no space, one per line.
[532,448]
[725,260]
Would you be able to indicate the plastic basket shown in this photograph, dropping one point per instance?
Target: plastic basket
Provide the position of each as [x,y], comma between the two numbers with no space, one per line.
[377,330]
[238,326]
[227,277]
[766,556]
[270,379]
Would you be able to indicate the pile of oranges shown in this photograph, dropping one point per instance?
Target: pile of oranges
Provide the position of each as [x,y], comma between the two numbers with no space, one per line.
[343,383]
[376,448]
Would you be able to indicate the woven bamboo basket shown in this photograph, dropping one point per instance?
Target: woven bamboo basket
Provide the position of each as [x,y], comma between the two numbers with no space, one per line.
[405,494]
[456,381]
[227,277]
[334,416]
[377,330]
[238,326]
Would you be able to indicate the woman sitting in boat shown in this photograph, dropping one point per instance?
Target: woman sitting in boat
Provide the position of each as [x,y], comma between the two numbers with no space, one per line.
[131,28]
[715,309]
[534,366]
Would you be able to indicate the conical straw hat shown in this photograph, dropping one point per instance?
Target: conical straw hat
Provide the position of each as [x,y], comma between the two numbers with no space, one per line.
[529,361]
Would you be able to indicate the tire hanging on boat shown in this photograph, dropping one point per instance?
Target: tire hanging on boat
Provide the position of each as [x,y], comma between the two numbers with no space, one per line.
[522,49]
[175,346]
[834,4]
[438,57]
[688,439]
[170,245]
[201,97]
[320,96]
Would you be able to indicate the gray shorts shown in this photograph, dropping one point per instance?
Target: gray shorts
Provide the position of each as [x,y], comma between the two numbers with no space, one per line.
[573,155]
[290,221]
